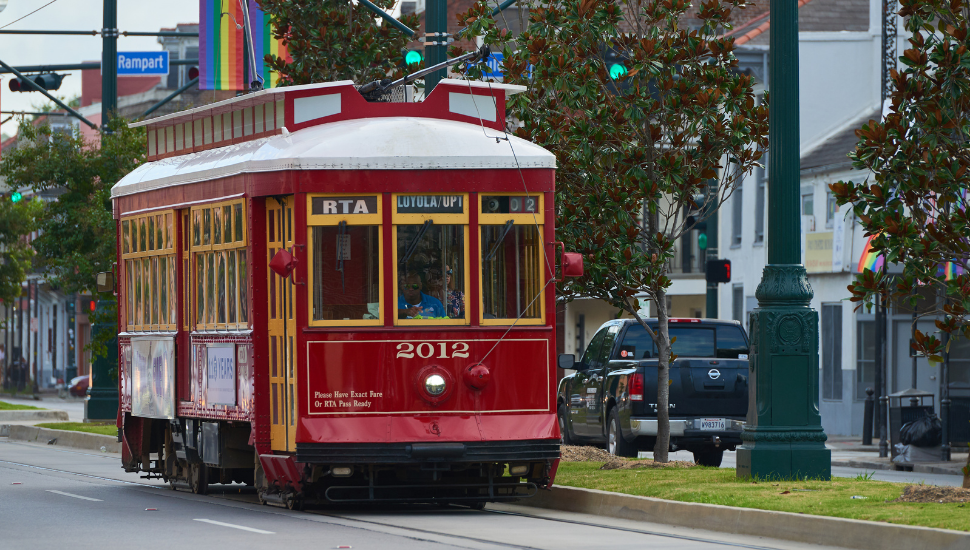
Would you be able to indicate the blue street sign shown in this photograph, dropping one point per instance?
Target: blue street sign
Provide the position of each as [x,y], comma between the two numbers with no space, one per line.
[494,62]
[143,63]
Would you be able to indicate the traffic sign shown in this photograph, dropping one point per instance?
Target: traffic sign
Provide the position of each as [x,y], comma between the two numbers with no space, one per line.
[494,62]
[143,63]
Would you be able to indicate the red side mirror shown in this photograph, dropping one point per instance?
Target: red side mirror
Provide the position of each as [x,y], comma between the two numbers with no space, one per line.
[572,264]
[283,263]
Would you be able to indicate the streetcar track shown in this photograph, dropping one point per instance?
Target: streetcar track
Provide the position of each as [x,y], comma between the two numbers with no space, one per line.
[235,498]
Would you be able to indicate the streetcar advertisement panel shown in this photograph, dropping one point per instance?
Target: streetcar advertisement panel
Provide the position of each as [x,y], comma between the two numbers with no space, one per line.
[220,364]
[153,377]
[368,376]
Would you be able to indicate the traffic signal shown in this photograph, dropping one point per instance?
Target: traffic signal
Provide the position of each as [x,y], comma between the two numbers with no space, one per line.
[617,65]
[16,196]
[718,271]
[413,57]
[702,241]
[193,73]
[47,81]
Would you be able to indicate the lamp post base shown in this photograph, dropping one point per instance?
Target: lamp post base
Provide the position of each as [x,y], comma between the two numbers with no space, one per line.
[784,453]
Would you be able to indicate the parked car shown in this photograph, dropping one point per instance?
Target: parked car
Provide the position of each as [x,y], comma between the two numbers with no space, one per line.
[79,386]
[611,398]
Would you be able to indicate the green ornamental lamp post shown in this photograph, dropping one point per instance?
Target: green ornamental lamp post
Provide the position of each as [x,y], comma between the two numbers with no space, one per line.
[103,403]
[783,437]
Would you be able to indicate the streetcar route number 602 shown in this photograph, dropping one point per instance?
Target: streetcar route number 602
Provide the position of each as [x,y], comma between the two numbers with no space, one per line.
[426,350]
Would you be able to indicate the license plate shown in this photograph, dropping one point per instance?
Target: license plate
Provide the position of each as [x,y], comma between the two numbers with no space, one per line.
[713,424]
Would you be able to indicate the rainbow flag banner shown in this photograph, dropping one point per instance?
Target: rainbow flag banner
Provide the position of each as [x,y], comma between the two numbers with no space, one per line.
[873,261]
[222,54]
[870,259]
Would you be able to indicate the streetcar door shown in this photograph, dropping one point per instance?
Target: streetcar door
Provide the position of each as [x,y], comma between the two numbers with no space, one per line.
[282,327]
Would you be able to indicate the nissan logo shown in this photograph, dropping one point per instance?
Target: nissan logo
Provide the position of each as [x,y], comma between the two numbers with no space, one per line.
[714,374]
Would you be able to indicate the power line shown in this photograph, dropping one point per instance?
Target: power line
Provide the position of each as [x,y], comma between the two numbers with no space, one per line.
[29,14]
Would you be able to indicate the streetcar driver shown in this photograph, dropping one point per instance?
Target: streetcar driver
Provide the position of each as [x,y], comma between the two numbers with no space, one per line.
[414,304]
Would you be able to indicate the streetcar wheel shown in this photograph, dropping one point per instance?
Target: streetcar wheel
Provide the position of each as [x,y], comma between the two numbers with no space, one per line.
[616,445]
[294,503]
[478,506]
[199,478]
[564,438]
[709,457]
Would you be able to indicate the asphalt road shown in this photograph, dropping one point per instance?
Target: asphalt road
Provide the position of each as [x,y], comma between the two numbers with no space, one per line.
[59,498]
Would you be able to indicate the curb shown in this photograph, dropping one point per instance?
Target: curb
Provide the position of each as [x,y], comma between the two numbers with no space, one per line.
[64,438]
[18,416]
[838,532]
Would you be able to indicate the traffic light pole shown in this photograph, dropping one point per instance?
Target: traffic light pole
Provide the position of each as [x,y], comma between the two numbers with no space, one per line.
[109,63]
[783,437]
[712,252]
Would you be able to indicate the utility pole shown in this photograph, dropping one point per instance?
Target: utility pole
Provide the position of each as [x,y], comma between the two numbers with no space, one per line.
[436,41]
[109,63]
[783,437]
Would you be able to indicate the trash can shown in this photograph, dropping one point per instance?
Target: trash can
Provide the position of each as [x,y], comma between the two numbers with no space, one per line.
[902,410]
[958,421]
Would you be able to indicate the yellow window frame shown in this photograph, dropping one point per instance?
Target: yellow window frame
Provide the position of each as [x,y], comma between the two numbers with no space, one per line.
[439,219]
[200,252]
[160,244]
[541,270]
[329,220]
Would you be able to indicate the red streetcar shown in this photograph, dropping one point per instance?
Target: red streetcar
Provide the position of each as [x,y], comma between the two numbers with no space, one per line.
[340,300]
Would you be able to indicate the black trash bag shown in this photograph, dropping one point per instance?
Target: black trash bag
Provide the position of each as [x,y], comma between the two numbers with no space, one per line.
[925,432]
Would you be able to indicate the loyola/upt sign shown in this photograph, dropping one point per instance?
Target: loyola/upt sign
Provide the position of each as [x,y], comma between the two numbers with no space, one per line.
[143,63]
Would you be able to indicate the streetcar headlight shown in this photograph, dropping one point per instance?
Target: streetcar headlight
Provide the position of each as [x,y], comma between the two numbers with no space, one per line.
[342,471]
[519,469]
[435,384]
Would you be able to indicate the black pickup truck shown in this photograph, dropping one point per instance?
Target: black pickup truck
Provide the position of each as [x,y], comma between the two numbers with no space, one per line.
[611,398]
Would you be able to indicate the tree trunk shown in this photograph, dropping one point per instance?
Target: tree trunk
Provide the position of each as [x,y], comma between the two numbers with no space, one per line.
[663,381]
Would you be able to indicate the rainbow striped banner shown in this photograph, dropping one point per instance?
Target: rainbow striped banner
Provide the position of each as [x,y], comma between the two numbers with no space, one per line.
[873,261]
[222,54]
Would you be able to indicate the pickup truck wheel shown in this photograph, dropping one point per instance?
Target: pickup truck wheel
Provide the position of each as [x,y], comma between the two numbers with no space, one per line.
[564,438]
[709,457]
[615,443]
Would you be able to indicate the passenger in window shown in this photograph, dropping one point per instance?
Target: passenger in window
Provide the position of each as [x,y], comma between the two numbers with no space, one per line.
[455,299]
[414,304]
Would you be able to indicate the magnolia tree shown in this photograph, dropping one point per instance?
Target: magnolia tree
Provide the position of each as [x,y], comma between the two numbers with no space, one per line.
[636,148]
[77,232]
[331,41]
[914,202]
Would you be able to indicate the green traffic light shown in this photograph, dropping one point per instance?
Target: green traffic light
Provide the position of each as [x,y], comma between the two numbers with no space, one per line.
[413,57]
[16,196]
[702,241]
[617,70]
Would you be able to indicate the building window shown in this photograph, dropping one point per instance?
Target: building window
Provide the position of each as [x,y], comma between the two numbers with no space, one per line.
[761,174]
[865,357]
[220,265]
[808,205]
[831,208]
[832,351]
[737,213]
[959,359]
[737,302]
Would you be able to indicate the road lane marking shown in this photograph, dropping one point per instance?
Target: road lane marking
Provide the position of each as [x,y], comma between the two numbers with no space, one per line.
[250,529]
[74,496]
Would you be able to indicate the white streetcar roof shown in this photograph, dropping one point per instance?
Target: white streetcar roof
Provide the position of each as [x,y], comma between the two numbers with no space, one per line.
[330,126]
[392,143]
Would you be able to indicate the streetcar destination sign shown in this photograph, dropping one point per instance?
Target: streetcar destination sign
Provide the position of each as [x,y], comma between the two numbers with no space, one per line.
[430,204]
[143,63]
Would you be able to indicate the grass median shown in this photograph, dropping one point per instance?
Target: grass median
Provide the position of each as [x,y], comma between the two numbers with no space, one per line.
[100,428]
[4,406]
[851,498]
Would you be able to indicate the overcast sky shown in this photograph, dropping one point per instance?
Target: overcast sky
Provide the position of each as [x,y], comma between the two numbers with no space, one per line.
[17,50]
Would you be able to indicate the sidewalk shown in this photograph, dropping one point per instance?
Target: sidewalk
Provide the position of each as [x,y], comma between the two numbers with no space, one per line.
[850,452]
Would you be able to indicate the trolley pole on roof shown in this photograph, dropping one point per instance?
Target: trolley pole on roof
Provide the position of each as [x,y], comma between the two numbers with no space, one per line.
[109,63]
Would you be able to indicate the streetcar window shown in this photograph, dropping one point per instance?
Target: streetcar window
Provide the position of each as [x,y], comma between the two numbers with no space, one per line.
[431,271]
[346,272]
[218,252]
[512,257]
